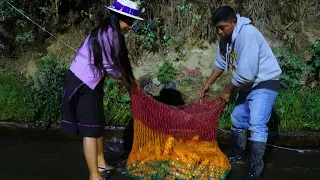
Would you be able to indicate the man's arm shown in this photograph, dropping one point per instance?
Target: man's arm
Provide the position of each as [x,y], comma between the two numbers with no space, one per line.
[219,67]
[213,77]
[225,94]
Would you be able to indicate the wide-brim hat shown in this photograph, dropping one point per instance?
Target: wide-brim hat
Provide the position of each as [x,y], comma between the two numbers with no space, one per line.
[126,7]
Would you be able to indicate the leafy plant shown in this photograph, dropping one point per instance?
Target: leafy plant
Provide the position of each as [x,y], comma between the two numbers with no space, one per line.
[21,24]
[44,10]
[225,120]
[315,53]
[184,6]
[293,68]
[151,36]
[24,38]
[116,103]
[88,13]
[169,42]
[149,33]
[315,59]
[47,89]
[167,73]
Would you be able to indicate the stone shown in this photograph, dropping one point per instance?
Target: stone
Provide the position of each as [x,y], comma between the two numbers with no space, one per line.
[156,81]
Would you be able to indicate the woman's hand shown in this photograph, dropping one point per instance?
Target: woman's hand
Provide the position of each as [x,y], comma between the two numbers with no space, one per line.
[138,84]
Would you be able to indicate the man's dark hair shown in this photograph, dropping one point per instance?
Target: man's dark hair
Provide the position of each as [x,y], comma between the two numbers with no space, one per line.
[223,13]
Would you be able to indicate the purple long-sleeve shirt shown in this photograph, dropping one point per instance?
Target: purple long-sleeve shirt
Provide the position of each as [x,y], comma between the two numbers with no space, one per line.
[82,66]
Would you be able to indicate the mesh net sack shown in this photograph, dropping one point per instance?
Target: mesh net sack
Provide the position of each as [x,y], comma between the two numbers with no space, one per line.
[176,142]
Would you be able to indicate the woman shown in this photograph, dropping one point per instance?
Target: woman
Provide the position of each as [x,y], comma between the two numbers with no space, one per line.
[102,54]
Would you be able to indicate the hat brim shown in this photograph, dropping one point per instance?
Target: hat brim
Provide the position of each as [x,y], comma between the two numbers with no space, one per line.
[123,13]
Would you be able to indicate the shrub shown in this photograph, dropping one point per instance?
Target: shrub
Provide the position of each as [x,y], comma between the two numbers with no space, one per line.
[293,68]
[116,103]
[315,63]
[167,73]
[15,99]
[315,53]
[47,89]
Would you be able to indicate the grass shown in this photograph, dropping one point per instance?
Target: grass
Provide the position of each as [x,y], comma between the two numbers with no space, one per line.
[298,109]
[14,98]
[294,110]
[74,38]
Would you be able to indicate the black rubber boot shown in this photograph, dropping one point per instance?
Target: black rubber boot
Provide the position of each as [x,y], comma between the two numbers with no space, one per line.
[239,141]
[256,163]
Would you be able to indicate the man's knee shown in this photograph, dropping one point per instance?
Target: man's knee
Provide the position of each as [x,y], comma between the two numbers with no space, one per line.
[238,121]
[259,132]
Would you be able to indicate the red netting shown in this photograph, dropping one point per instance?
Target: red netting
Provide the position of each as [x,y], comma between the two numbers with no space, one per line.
[197,118]
[176,142]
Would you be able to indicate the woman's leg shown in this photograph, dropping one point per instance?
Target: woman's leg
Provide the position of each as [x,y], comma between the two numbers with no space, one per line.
[101,161]
[90,147]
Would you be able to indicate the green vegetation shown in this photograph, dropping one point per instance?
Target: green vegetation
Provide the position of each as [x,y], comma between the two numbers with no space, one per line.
[116,103]
[168,27]
[39,98]
[47,89]
[293,68]
[314,77]
[15,96]
[167,73]
[296,110]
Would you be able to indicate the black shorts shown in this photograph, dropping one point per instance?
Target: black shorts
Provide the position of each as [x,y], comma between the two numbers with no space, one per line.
[82,108]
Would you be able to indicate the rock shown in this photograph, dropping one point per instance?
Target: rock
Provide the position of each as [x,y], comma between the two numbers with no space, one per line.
[147,71]
[170,85]
[156,81]
[197,51]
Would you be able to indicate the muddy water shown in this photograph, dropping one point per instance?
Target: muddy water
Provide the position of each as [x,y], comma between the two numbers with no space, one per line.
[52,157]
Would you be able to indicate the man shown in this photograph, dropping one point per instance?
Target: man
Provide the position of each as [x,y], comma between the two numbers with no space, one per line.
[255,71]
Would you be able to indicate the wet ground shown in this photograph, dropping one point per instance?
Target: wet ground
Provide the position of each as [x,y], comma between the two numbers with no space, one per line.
[58,159]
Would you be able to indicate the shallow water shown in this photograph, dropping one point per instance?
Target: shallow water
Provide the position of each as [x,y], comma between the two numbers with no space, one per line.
[58,159]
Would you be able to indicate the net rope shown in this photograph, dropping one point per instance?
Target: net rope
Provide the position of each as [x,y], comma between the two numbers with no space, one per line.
[176,142]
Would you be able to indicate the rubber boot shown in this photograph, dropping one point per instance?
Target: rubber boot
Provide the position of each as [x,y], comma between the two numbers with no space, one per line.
[239,141]
[256,163]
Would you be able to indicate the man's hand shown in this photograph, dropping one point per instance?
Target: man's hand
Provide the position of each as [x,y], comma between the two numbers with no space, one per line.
[225,96]
[205,91]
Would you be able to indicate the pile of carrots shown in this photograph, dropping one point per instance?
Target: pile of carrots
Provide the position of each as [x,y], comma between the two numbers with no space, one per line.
[183,159]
